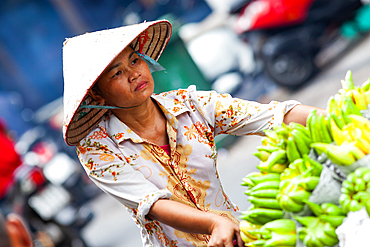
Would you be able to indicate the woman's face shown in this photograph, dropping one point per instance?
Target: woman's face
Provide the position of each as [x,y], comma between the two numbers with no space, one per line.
[126,82]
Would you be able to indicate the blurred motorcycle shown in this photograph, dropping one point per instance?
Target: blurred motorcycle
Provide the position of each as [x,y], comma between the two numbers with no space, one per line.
[288,36]
[49,190]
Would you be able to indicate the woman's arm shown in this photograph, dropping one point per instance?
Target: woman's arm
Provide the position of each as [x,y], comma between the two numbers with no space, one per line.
[188,219]
[299,113]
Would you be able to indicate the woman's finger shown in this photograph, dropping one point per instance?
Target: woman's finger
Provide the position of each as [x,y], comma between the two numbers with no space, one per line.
[240,242]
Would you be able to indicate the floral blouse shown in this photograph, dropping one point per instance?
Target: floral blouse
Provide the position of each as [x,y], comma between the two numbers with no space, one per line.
[137,172]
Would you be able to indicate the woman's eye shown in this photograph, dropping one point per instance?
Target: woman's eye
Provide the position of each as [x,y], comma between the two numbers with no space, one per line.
[118,73]
[134,61]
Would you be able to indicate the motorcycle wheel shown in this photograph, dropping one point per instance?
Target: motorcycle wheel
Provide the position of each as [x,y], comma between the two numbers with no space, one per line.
[291,69]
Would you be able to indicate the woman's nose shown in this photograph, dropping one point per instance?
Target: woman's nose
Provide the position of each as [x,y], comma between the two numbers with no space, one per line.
[134,74]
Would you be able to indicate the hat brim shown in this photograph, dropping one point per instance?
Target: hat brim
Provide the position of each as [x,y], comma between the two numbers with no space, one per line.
[85,57]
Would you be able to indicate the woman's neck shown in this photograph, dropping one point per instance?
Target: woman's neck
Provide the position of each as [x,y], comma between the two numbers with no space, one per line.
[147,121]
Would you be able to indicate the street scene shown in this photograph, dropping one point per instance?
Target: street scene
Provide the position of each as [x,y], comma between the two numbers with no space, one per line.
[216,45]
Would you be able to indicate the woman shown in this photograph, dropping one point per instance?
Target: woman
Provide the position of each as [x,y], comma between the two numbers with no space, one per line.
[156,153]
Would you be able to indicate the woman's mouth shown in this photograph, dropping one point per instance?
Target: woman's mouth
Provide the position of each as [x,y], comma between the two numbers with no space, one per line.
[140,86]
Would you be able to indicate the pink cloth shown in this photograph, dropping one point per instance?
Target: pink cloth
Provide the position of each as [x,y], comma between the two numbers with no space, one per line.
[166,148]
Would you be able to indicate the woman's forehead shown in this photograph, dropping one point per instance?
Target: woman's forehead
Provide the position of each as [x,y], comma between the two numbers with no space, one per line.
[124,54]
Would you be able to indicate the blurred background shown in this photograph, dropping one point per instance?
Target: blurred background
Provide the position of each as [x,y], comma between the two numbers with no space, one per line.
[253,49]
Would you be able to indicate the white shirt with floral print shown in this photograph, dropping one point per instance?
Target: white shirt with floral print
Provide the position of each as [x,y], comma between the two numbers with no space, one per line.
[137,173]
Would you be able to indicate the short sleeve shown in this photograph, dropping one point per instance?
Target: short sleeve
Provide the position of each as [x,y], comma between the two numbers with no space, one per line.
[107,168]
[236,116]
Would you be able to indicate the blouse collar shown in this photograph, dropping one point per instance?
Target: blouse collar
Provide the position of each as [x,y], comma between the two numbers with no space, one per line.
[171,108]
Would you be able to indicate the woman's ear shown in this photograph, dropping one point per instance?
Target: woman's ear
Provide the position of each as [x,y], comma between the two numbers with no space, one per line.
[93,92]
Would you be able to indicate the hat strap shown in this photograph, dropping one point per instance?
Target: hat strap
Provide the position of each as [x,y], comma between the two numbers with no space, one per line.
[152,64]
[104,107]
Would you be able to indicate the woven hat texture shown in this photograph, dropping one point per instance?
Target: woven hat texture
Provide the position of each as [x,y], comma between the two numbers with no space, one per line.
[86,56]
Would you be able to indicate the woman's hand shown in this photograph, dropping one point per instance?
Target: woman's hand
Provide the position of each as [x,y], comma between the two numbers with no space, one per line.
[223,232]
[187,219]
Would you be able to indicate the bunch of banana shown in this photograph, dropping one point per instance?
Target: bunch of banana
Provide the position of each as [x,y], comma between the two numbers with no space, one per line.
[356,130]
[297,183]
[300,166]
[294,191]
[328,212]
[262,191]
[245,227]
[350,98]
[355,190]
[281,232]
[316,232]
[351,137]
[275,163]
[319,128]
[343,155]
[281,146]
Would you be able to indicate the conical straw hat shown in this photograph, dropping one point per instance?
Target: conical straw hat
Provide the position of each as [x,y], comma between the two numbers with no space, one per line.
[84,59]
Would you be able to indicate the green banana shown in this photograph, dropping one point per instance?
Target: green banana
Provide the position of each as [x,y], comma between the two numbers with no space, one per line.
[316,232]
[264,193]
[257,178]
[268,148]
[263,215]
[330,231]
[299,195]
[361,196]
[359,172]
[282,226]
[338,121]
[292,152]
[315,208]
[303,129]
[314,127]
[355,206]
[270,203]
[307,220]
[345,201]
[282,131]
[323,129]
[334,221]
[256,243]
[312,241]
[272,135]
[269,184]
[365,86]
[367,206]
[289,205]
[303,143]
[262,155]
[345,118]
[347,83]
[279,232]
[332,209]
[297,167]
[360,185]
[355,151]
[276,157]
[281,240]
[349,107]
[351,178]
[325,239]
[336,154]
[308,183]
[332,106]
[317,167]
[366,177]
[275,168]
